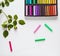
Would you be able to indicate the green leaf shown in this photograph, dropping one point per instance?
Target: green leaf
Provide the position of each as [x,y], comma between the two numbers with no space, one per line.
[15,27]
[14,23]
[4,25]
[10,26]
[9,20]
[10,16]
[11,0]
[3,4]
[5,22]
[6,3]
[15,17]
[0,11]
[0,3]
[21,22]
[5,33]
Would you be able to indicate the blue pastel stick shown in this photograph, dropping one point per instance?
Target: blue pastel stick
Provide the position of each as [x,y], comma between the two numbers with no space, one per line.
[28,1]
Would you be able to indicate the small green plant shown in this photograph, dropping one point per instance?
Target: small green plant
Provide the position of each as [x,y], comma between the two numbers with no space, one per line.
[11,21]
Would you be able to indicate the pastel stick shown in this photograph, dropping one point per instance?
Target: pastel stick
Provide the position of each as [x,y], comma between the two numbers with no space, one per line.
[42,10]
[34,1]
[37,10]
[26,10]
[30,10]
[28,1]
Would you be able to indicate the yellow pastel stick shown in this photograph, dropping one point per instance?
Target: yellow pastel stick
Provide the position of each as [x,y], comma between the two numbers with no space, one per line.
[47,1]
[39,1]
[55,1]
[44,1]
[51,1]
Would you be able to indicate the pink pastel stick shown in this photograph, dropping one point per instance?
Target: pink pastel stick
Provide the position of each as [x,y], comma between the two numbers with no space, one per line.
[31,10]
[10,46]
[37,28]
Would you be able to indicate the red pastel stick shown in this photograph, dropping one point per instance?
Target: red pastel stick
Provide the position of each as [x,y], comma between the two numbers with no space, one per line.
[10,46]
[50,10]
[37,28]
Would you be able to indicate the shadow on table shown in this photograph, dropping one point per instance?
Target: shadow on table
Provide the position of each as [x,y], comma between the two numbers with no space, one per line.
[41,18]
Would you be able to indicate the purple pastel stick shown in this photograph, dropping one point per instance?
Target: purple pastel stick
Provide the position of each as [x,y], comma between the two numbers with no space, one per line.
[37,12]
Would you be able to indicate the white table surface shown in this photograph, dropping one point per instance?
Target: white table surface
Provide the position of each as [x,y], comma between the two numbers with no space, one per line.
[23,39]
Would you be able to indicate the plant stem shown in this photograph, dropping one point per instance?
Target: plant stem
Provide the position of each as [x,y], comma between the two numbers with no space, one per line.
[5,14]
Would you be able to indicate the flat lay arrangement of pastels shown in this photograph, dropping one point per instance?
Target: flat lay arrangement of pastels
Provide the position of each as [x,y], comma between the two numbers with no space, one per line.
[41,8]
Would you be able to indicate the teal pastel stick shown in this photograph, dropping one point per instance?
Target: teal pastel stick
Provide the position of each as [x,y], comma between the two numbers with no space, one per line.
[29,1]
[41,39]
[48,27]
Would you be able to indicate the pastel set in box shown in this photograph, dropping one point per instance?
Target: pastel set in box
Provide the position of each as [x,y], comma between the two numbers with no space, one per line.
[41,8]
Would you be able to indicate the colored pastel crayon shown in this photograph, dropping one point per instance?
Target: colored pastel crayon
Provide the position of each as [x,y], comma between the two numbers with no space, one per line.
[37,28]
[26,10]
[34,1]
[46,10]
[42,10]
[37,9]
[28,1]
[41,39]
[10,46]
[55,1]
[34,10]
[31,1]
[53,10]
[50,11]
[48,27]
[47,2]
[43,1]
[30,10]
[51,1]
[54,7]
[39,1]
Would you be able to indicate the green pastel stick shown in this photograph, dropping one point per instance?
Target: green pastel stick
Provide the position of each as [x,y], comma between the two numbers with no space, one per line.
[48,27]
[34,1]
[41,39]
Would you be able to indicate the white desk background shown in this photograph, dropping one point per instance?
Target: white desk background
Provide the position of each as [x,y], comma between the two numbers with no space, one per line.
[23,39]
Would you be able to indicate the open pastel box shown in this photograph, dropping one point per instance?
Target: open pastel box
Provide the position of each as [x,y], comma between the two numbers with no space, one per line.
[41,8]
